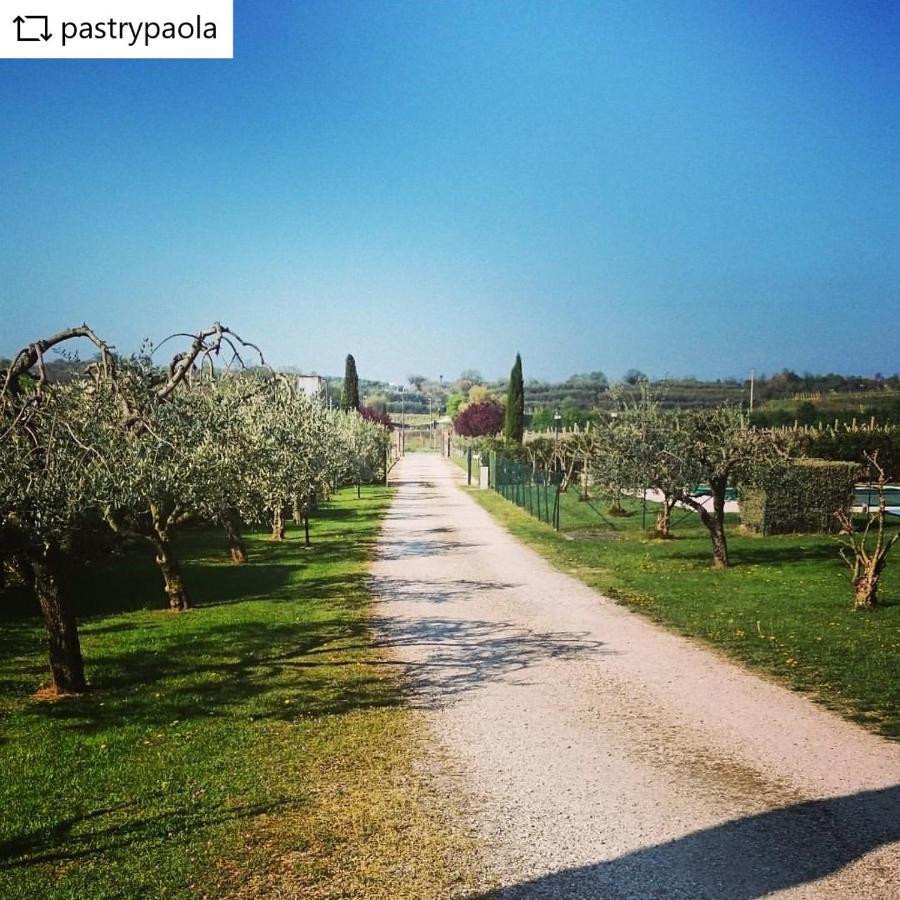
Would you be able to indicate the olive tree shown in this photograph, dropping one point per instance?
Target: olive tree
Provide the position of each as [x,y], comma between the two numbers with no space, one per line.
[712,446]
[48,470]
[52,467]
[290,441]
[655,457]
[166,479]
[610,459]
[360,448]
[168,441]
[865,551]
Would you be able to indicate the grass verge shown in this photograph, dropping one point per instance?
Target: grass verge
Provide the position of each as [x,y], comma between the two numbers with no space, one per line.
[255,745]
[784,608]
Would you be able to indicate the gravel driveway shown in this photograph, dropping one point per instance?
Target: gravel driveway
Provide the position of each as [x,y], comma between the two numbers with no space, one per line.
[601,756]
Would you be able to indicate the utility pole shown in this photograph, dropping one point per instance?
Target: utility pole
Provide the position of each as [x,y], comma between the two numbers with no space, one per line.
[431,422]
[752,380]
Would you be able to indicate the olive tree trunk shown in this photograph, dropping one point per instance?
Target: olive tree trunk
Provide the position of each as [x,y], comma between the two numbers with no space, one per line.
[64,648]
[714,522]
[155,532]
[664,517]
[162,517]
[865,592]
[232,524]
[278,523]
[170,568]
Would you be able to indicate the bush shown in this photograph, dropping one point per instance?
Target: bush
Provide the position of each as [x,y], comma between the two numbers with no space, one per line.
[511,450]
[541,420]
[378,416]
[479,419]
[454,401]
[799,496]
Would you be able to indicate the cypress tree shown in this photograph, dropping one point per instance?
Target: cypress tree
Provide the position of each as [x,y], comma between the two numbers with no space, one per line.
[514,427]
[350,391]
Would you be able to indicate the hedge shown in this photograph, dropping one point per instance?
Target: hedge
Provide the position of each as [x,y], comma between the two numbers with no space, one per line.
[799,496]
[848,443]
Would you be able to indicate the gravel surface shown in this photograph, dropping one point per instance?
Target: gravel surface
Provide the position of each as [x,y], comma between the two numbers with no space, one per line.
[602,756]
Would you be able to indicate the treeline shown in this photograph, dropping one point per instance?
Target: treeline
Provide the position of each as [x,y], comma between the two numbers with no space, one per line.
[824,409]
[786,384]
[779,399]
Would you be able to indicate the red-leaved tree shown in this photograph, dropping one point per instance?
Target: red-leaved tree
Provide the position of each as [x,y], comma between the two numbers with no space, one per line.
[479,419]
[378,416]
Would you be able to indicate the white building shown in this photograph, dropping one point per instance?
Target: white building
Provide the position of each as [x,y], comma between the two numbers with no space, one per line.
[311,385]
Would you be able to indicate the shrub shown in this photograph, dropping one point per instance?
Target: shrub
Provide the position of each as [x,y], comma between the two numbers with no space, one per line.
[378,416]
[799,496]
[541,420]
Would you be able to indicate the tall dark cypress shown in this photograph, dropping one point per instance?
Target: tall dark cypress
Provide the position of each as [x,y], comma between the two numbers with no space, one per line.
[350,391]
[514,427]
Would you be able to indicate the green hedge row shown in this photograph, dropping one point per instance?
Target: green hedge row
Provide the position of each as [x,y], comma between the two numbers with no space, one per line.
[799,496]
[849,444]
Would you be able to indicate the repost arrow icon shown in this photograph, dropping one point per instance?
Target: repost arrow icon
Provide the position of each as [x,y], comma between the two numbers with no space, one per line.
[44,35]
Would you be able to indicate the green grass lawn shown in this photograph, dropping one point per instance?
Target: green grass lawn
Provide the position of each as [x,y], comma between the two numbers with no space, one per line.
[783,608]
[253,745]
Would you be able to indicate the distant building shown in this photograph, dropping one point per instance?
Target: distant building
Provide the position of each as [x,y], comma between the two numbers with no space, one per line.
[311,385]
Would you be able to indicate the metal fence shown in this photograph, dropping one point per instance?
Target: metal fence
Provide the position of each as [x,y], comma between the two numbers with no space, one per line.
[534,490]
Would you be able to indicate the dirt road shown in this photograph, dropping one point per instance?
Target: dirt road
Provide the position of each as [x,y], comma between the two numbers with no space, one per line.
[604,757]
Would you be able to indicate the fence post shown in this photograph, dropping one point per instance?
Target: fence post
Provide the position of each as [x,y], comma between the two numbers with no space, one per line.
[469,471]
[556,510]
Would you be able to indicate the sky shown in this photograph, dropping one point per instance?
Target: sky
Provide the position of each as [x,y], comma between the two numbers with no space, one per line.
[686,188]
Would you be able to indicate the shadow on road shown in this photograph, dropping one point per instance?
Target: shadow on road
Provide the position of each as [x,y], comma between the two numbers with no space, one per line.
[462,656]
[741,859]
[415,590]
[409,547]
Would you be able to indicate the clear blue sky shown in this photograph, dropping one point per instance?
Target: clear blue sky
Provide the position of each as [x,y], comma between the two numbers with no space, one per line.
[687,188]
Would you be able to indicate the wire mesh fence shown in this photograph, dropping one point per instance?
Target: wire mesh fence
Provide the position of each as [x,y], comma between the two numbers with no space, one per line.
[532,489]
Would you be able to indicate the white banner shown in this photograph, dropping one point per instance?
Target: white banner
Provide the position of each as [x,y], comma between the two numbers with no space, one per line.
[106,29]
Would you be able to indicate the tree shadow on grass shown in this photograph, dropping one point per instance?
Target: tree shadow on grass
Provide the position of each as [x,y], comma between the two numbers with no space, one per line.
[111,828]
[273,583]
[17,604]
[197,664]
[136,585]
[132,582]
[258,669]
[21,668]
[742,859]
[299,670]
[741,554]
